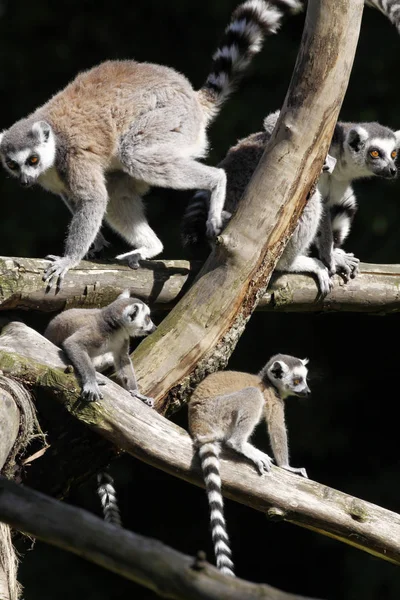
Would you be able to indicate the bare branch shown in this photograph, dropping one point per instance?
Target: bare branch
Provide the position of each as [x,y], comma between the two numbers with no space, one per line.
[142,432]
[165,571]
[162,283]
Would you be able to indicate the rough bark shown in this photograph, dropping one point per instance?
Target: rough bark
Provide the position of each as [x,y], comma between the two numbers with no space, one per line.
[149,562]
[135,428]
[162,283]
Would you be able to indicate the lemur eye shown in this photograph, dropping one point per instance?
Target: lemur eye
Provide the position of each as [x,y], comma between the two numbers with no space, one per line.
[33,160]
[394,154]
[296,381]
[12,165]
[374,153]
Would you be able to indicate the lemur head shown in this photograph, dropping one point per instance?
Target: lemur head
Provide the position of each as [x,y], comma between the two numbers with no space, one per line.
[287,374]
[132,314]
[370,149]
[28,149]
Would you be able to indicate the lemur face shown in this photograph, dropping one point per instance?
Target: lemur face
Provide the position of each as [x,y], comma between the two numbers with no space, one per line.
[374,151]
[27,150]
[289,375]
[136,318]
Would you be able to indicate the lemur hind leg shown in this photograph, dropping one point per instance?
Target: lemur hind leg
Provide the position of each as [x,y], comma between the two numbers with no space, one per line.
[243,425]
[161,149]
[126,215]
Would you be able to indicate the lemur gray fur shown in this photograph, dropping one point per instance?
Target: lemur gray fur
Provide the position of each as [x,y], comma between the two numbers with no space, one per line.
[239,165]
[95,339]
[124,126]
[108,499]
[359,149]
[224,411]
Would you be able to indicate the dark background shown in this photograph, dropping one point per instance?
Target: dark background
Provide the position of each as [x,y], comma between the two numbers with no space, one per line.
[346,435]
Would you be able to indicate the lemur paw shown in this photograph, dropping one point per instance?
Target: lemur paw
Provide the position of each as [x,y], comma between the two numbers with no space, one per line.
[325,282]
[214,226]
[226,217]
[346,264]
[298,470]
[91,393]
[98,245]
[133,258]
[146,399]
[263,463]
[57,269]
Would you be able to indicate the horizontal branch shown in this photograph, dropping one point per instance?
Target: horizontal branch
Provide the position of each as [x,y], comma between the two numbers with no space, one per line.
[142,432]
[162,283]
[146,561]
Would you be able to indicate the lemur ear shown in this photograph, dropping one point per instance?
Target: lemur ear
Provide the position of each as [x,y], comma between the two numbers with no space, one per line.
[125,294]
[278,368]
[329,164]
[304,361]
[270,121]
[42,130]
[357,137]
[396,133]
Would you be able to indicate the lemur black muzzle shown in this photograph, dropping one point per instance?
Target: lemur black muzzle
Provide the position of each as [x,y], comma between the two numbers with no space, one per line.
[26,181]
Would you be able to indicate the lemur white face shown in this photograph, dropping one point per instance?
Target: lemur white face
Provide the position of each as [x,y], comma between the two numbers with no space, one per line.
[290,378]
[374,152]
[28,150]
[136,318]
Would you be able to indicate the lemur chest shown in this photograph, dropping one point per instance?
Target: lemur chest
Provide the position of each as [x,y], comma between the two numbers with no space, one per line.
[51,181]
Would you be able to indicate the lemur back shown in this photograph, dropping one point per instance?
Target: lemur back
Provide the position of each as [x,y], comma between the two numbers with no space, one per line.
[223,411]
[142,121]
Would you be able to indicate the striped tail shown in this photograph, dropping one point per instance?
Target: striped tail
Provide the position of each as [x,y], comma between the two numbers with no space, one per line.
[390,8]
[108,499]
[342,215]
[209,458]
[243,38]
[193,229]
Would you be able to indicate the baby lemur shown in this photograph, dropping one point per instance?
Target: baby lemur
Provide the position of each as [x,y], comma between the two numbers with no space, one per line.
[124,126]
[224,411]
[358,149]
[97,338]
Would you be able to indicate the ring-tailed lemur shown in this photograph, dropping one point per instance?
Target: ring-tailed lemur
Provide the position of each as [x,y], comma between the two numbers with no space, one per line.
[96,339]
[140,120]
[108,499]
[359,149]
[390,8]
[239,165]
[224,411]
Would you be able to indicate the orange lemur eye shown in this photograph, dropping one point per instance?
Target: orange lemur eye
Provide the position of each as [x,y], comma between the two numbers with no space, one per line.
[374,153]
[394,154]
[296,381]
[12,165]
[33,160]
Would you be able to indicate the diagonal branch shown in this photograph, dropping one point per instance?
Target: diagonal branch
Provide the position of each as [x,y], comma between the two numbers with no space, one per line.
[161,283]
[142,432]
[147,561]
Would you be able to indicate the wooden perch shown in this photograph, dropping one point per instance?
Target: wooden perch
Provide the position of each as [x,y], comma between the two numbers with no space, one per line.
[162,283]
[135,428]
[147,561]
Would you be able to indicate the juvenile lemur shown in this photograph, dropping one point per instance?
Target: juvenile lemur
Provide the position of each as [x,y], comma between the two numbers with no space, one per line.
[124,126]
[359,150]
[97,338]
[224,411]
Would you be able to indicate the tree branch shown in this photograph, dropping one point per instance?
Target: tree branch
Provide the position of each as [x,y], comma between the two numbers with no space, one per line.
[161,283]
[135,428]
[147,561]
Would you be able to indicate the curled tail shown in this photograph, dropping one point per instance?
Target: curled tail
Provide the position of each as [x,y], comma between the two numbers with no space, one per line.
[209,458]
[108,499]
[390,8]
[250,23]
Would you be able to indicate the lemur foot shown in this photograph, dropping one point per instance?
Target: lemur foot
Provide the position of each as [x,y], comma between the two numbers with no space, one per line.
[262,462]
[91,393]
[226,217]
[146,399]
[325,282]
[98,245]
[214,226]
[133,258]
[346,264]
[57,270]
[300,471]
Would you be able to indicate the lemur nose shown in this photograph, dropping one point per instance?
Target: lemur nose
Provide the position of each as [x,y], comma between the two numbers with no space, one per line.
[393,171]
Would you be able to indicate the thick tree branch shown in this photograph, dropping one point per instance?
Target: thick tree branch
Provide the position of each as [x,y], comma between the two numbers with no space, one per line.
[147,561]
[163,282]
[142,432]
